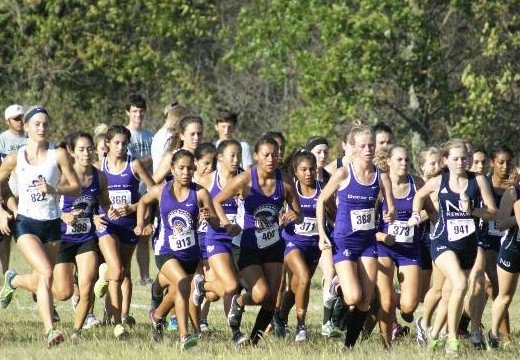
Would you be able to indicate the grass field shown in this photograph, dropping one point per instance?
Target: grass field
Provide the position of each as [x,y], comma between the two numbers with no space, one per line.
[21,336]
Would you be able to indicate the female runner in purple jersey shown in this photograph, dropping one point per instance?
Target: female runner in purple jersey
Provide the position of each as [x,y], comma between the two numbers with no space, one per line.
[79,243]
[354,247]
[454,241]
[182,204]
[221,280]
[117,240]
[261,247]
[398,244]
[301,241]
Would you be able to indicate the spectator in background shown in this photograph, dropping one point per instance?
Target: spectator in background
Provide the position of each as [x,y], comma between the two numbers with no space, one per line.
[172,113]
[10,141]
[225,124]
[140,148]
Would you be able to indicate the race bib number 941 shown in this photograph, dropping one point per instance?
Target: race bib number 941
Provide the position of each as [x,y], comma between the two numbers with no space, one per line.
[460,228]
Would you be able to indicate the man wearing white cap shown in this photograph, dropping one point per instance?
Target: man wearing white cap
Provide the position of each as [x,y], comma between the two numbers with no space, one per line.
[10,141]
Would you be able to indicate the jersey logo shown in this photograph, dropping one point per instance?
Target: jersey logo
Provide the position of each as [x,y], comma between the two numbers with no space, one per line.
[123,175]
[346,253]
[451,207]
[410,198]
[444,191]
[505,263]
[374,187]
[210,248]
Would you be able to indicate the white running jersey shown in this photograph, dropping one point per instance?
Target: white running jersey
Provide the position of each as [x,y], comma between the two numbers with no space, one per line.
[32,203]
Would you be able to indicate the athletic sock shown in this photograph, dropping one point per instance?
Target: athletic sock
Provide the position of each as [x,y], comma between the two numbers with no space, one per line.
[355,321]
[327,314]
[263,319]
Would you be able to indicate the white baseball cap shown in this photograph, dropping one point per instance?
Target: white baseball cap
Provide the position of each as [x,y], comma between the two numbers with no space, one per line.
[13,111]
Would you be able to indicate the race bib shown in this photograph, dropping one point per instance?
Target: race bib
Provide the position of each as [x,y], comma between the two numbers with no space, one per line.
[460,228]
[309,227]
[232,218]
[493,229]
[182,241]
[203,227]
[81,226]
[120,197]
[401,231]
[267,237]
[363,219]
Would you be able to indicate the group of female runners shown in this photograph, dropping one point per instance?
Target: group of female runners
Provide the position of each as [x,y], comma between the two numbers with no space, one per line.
[448,232]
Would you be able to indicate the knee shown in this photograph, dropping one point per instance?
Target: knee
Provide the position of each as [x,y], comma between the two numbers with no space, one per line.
[352,298]
[304,280]
[212,297]
[460,285]
[260,293]
[115,272]
[45,276]
[408,306]
[64,292]
[231,287]
[504,299]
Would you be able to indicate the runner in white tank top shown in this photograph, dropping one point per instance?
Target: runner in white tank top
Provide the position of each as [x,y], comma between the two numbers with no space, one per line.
[37,224]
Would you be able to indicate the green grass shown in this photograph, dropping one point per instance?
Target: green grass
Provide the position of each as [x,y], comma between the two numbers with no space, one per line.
[21,335]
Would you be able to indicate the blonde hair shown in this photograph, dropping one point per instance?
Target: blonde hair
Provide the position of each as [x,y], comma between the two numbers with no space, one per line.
[424,154]
[101,129]
[176,113]
[359,130]
[445,151]
[383,155]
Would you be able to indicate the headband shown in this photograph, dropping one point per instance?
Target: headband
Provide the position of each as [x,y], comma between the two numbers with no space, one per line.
[315,142]
[37,110]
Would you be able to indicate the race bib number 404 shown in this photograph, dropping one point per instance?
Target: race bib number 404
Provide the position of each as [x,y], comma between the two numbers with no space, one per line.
[363,219]
[460,228]
[267,237]
[401,231]
[182,241]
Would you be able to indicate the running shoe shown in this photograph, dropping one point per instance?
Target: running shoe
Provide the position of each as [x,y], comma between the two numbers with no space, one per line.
[452,347]
[128,321]
[172,324]
[53,338]
[204,327]
[435,344]
[120,331]
[158,325]
[279,326]
[421,336]
[101,285]
[331,296]
[239,339]
[492,343]
[330,330]
[90,322]
[6,295]
[188,341]
[74,337]
[198,291]
[235,313]
[301,333]
[476,340]
[145,282]
[399,331]
[74,300]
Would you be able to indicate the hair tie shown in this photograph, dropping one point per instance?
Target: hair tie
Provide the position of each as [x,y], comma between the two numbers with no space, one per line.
[311,144]
[37,110]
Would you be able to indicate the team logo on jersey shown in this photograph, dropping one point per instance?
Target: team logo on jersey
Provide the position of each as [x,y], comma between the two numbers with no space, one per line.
[33,183]
[83,206]
[180,221]
[266,216]
[210,248]
[346,252]
[505,263]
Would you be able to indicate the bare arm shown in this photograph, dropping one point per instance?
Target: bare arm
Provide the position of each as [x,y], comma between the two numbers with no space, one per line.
[326,193]
[386,188]
[294,214]
[152,196]
[71,184]
[489,210]
[207,211]
[235,187]
[142,173]
[504,219]
[420,197]
[163,169]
